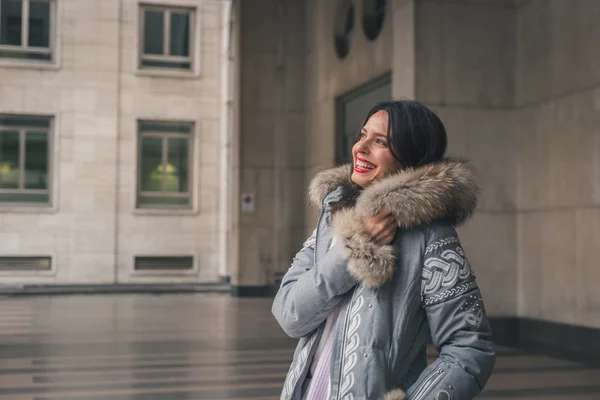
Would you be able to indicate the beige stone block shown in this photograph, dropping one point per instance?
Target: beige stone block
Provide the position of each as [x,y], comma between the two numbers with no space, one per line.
[260,183]
[92,268]
[533,47]
[533,125]
[294,96]
[492,150]
[130,12]
[322,135]
[90,57]
[93,222]
[210,67]
[208,201]
[104,199]
[257,139]
[92,10]
[294,137]
[17,222]
[54,222]
[80,199]
[201,224]
[587,271]
[156,243]
[429,52]
[209,154]
[258,27]
[489,241]
[93,174]
[208,267]
[455,122]
[41,100]
[530,265]
[480,53]
[86,125]
[548,254]
[127,128]
[260,84]
[293,203]
[256,255]
[92,242]
[562,146]
[294,26]
[37,242]
[12,98]
[96,102]
[86,31]
[182,107]
[9,243]
[573,29]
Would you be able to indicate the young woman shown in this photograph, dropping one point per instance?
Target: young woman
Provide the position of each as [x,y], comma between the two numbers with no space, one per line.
[384,271]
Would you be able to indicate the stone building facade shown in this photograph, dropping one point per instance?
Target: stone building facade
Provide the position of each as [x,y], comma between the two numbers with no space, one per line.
[109,141]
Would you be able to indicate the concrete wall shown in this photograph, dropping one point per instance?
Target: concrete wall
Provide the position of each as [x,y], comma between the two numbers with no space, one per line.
[272,142]
[96,97]
[558,147]
[465,52]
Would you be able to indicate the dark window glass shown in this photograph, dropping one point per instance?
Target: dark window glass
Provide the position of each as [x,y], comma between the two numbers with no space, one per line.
[20,121]
[9,160]
[166,64]
[154,28]
[180,35]
[39,24]
[151,126]
[36,160]
[152,166]
[177,165]
[11,20]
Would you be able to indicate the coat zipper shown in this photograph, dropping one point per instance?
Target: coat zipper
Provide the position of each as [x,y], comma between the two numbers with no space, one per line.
[347,318]
[430,381]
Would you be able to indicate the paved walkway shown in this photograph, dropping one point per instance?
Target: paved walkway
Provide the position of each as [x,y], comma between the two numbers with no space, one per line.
[176,347]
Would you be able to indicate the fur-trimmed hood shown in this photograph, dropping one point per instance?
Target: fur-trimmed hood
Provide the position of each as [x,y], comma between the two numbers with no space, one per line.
[444,190]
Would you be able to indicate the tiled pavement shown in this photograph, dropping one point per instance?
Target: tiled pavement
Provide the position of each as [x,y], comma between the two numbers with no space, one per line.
[204,346]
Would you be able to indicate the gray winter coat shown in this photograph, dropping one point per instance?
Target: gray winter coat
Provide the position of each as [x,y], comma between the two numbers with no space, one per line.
[393,297]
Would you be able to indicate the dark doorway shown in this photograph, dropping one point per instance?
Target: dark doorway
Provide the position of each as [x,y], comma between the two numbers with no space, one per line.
[351,109]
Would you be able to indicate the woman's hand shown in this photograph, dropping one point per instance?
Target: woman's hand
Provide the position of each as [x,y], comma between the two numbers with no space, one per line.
[381,227]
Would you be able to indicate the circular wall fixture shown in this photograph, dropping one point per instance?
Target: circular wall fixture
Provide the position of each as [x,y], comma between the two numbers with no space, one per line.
[373,15]
[344,28]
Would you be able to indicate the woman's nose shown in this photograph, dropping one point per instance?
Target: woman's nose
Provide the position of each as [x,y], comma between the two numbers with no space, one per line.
[362,146]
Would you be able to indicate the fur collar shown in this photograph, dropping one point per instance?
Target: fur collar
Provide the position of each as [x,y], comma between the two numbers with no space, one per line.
[444,190]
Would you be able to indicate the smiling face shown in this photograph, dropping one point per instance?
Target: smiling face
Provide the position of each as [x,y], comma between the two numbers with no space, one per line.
[371,155]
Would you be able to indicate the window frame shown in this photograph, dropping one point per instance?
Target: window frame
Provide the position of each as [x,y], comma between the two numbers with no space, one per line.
[22,129]
[165,136]
[194,29]
[24,48]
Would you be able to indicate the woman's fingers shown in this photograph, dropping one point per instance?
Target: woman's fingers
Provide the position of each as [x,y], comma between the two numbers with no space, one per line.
[381,227]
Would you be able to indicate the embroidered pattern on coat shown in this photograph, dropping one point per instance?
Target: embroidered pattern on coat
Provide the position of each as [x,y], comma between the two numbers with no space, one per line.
[440,243]
[296,370]
[446,273]
[449,294]
[473,311]
[350,356]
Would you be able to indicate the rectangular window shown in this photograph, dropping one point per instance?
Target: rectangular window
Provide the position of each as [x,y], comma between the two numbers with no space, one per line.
[24,159]
[26,29]
[166,37]
[163,263]
[164,164]
[21,263]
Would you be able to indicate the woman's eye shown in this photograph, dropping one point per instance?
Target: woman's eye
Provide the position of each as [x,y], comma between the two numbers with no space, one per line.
[381,142]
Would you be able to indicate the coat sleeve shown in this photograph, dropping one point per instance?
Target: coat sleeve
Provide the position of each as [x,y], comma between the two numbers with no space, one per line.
[309,291]
[459,326]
